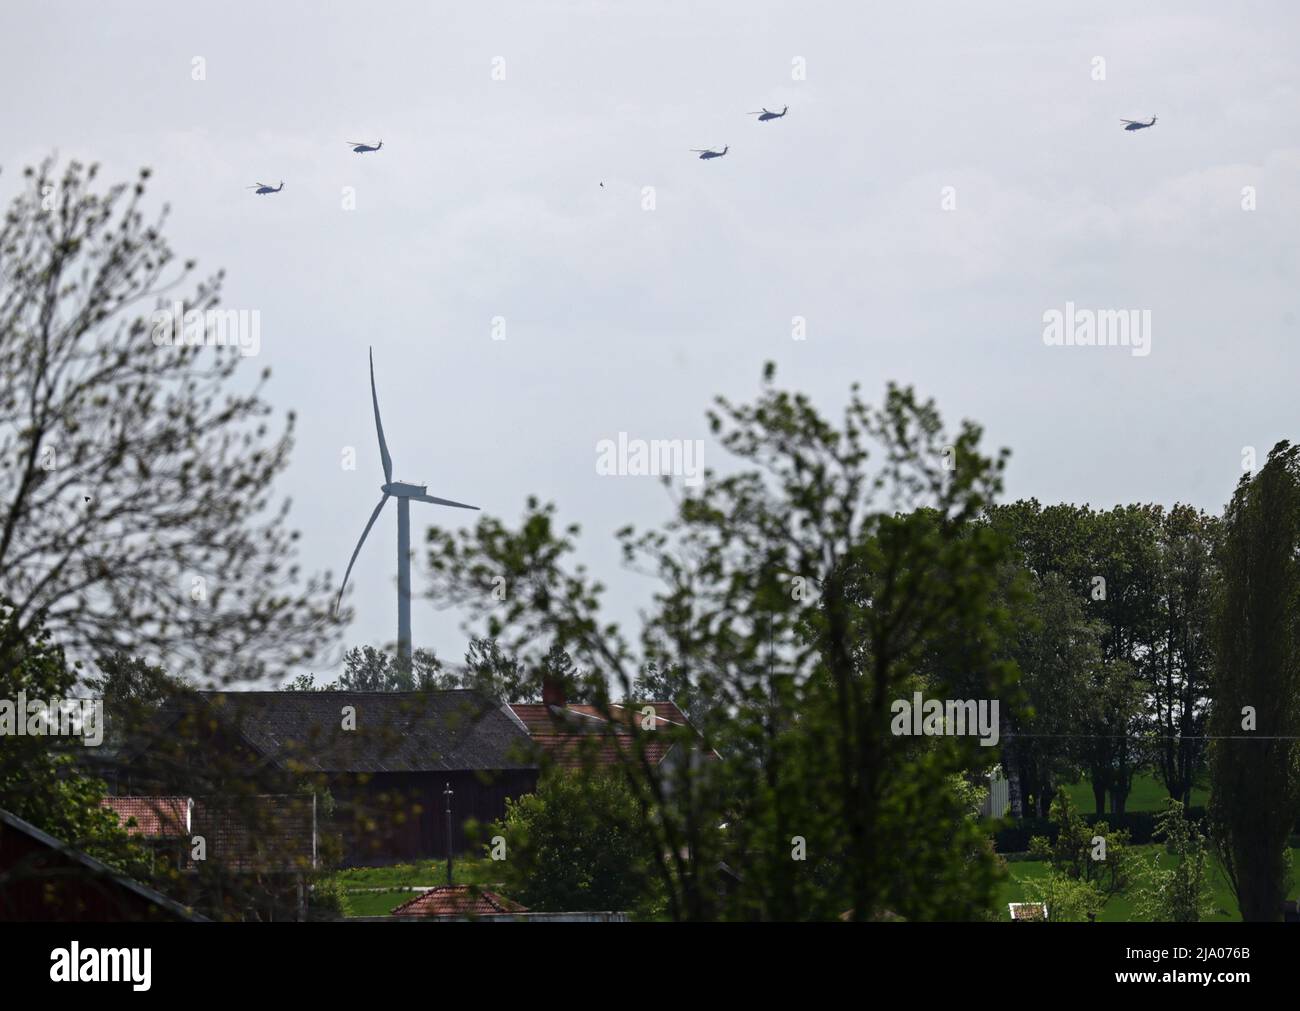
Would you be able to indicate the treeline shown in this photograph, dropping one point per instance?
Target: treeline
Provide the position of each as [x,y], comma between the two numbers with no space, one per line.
[1115,649]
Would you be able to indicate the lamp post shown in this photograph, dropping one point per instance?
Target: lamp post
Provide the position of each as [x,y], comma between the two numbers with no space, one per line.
[448,793]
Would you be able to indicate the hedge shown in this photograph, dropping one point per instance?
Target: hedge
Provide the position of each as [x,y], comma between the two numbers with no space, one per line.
[1013,834]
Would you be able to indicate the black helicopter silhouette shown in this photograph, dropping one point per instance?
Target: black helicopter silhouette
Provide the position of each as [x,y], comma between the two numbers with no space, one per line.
[263,188]
[360,148]
[767,114]
[1135,125]
[705,154]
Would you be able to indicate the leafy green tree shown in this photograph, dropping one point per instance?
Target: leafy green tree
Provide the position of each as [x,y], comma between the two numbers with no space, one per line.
[1179,676]
[1179,893]
[1068,899]
[1058,652]
[367,669]
[1111,560]
[838,570]
[1125,553]
[133,691]
[497,673]
[1255,720]
[695,697]
[1095,854]
[305,683]
[576,843]
[488,669]
[1112,712]
[40,776]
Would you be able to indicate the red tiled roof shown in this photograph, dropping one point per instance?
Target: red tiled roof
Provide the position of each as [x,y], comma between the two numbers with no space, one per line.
[267,832]
[155,817]
[567,734]
[457,900]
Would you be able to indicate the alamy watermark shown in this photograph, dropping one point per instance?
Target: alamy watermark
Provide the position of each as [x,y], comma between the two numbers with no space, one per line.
[946,717]
[75,964]
[626,457]
[24,717]
[1130,328]
[177,326]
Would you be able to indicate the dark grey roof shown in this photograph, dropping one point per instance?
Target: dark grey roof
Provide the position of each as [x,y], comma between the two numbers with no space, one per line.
[436,731]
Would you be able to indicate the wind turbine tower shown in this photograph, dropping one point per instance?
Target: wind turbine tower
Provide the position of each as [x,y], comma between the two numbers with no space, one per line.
[405,495]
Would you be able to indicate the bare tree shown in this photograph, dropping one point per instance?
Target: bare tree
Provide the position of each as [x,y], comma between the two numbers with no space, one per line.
[136,507]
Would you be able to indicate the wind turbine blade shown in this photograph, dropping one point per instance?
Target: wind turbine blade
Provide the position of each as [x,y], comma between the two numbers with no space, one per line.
[357,550]
[379,425]
[442,501]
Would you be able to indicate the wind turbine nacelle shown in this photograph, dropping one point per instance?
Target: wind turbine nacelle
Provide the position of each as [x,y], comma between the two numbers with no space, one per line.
[400,489]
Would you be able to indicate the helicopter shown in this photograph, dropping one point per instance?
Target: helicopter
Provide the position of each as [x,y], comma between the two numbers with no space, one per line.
[360,148]
[705,154]
[263,188]
[1135,125]
[767,114]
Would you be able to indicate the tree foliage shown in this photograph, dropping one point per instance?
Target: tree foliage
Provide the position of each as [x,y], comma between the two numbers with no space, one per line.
[1179,892]
[40,777]
[838,569]
[1095,854]
[576,843]
[1255,720]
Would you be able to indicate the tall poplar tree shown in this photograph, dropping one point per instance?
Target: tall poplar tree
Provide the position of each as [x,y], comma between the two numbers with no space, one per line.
[1255,757]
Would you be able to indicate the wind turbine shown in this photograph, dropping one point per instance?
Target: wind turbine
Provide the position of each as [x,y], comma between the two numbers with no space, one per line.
[405,495]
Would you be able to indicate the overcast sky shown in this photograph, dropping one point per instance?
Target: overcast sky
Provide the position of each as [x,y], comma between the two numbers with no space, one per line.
[486,202]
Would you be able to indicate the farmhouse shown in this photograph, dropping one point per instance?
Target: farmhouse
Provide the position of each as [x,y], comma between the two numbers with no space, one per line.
[387,765]
[386,759]
[578,735]
[49,880]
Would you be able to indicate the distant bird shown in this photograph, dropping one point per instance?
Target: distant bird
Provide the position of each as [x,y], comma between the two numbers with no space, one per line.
[766,114]
[705,154]
[360,148]
[1135,125]
[263,188]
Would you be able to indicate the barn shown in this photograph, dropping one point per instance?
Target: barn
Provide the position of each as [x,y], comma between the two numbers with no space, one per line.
[45,879]
[390,762]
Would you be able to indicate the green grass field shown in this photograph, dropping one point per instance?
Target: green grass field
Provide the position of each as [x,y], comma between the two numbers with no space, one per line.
[423,874]
[373,903]
[1148,794]
[1120,908]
